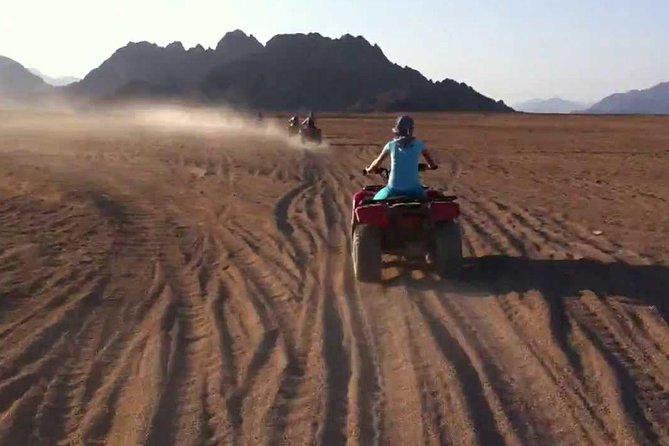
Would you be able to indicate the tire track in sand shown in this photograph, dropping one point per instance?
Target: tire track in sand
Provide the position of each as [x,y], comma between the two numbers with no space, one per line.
[632,409]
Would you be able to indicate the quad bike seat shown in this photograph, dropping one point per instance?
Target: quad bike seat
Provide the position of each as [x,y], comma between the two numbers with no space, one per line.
[394,200]
[377,187]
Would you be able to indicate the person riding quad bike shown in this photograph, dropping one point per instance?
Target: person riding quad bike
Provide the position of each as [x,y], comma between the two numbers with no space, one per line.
[309,132]
[293,125]
[402,217]
[404,151]
[310,122]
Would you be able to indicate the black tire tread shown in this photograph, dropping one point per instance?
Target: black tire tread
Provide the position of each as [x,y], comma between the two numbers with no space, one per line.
[447,249]
[366,251]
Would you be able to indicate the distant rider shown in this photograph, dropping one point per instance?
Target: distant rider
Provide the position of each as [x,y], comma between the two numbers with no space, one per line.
[310,122]
[294,121]
[404,151]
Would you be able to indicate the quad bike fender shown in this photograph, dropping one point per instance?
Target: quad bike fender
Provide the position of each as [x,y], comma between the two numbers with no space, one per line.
[445,211]
[373,215]
[361,195]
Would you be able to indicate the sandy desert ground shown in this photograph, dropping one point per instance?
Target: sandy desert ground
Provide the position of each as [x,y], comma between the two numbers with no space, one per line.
[194,286]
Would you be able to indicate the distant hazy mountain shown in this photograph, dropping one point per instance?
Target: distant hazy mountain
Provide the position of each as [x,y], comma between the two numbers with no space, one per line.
[17,81]
[55,81]
[553,105]
[290,72]
[654,100]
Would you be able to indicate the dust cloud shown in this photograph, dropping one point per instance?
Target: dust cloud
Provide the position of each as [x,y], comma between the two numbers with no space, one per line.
[210,123]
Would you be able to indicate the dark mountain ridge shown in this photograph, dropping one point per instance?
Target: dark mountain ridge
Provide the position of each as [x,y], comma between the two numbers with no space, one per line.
[297,71]
[172,66]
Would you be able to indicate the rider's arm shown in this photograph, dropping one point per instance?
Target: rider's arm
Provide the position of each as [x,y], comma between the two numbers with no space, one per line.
[430,161]
[379,159]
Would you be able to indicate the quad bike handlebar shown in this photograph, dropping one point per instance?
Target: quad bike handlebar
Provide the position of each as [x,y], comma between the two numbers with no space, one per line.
[379,170]
[385,173]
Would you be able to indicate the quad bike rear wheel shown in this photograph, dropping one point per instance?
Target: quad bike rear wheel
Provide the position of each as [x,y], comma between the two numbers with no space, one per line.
[310,134]
[367,253]
[446,252]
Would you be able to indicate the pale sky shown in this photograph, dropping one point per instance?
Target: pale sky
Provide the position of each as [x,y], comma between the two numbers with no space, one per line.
[507,49]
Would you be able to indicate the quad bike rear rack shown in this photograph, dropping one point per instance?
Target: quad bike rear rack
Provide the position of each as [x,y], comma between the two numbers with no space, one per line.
[406,200]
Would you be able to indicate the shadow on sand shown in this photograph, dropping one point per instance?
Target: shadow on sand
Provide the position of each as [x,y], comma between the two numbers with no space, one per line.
[555,279]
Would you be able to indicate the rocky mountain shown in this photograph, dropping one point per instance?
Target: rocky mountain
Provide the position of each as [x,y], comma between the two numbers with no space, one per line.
[552,105]
[54,81]
[653,100]
[315,72]
[172,68]
[290,72]
[17,81]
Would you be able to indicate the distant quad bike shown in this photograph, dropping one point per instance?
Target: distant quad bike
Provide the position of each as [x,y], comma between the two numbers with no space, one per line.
[413,228]
[293,129]
[310,134]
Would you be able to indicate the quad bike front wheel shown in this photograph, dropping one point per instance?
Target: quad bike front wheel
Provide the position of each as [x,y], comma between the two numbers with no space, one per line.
[446,252]
[366,247]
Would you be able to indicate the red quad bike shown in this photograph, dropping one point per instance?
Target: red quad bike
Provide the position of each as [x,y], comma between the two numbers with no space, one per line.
[310,134]
[413,228]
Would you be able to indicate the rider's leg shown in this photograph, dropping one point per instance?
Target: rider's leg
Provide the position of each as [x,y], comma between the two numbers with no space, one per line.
[387,192]
[384,193]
